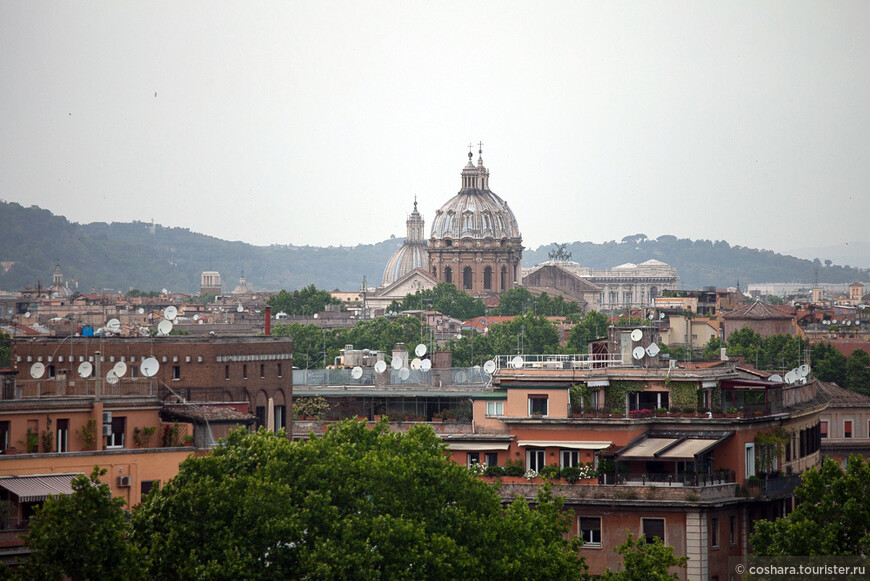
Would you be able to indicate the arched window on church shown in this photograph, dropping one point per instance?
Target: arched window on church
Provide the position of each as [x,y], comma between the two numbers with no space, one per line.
[466,278]
[448,274]
[434,272]
[487,278]
[503,278]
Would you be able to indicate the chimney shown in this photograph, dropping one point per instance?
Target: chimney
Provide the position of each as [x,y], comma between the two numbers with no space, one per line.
[268,325]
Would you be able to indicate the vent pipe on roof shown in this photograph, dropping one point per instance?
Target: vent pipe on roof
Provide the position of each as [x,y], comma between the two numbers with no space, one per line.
[268,326]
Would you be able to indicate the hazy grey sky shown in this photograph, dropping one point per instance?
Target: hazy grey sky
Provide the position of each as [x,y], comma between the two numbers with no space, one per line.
[317,122]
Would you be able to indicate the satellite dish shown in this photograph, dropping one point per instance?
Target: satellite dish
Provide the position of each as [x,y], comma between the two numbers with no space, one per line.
[141,311]
[638,352]
[460,377]
[790,377]
[636,335]
[834,322]
[27,315]
[149,367]
[425,365]
[652,350]
[404,374]
[111,378]
[200,322]
[459,335]
[170,312]
[114,325]
[517,362]
[120,368]
[661,315]
[356,372]
[240,309]
[85,369]
[164,327]
[380,367]
[651,316]
[489,367]
[37,370]
[315,315]
[415,363]
[420,350]
[775,378]
[396,363]
[848,323]
[164,291]
[144,331]
[804,370]
[196,317]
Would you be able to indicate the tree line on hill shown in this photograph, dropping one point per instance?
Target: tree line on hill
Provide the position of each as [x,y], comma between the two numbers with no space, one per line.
[121,256]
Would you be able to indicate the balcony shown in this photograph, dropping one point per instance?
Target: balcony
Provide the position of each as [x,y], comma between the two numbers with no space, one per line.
[775,487]
[629,492]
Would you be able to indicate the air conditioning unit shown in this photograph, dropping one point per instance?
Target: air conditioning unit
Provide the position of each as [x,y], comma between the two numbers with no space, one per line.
[107,429]
[125,481]
[107,417]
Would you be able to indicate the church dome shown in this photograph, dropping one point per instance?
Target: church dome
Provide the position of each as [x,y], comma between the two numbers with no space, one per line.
[475,212]
[411,254]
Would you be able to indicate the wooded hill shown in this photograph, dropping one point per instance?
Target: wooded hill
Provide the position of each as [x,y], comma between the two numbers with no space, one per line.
[122,256]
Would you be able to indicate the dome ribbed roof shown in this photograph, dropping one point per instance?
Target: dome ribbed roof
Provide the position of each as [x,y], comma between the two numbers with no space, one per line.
[475,212]
[411,254]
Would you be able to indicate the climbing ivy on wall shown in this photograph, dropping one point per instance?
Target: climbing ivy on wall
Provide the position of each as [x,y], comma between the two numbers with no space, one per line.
[614,394]
[683,395]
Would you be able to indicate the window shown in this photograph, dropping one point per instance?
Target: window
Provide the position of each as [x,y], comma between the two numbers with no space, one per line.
[134,372]
[466,278]
[245,371]
[176,372]
[495,408]
[279,370]
[490,459]
[116,439]
[652,528]
[63,435]
[280,421]
[448,272]
[537,405]
[260,413]
[262,370]
[536,459]
[750,460]
[226,371]
[714,532]
[472,458]
[824,427]
[487,278]
[590,531]
[4,436]
[732,530]
[570,458]
[847,428]
[147,485]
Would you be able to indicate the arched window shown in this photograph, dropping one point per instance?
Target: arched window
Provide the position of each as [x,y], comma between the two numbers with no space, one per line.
[434,272]
[466,278]
[503,278]
[448,274]
[487,278]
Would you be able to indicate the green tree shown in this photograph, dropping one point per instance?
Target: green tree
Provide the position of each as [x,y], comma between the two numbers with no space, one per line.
[829,364]
[592,326]
[82,535]
[355,503]
[526,333]
[310,343]
[5,348]
[832,516]
[306,301]
[712,350]
[515,301]
[444,298]
[383,333]
[858,371]
[643,561]
[747,343]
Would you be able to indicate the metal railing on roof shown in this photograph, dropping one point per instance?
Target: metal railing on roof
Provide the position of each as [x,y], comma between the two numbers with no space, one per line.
[43,388]
[558,361]
[456,376]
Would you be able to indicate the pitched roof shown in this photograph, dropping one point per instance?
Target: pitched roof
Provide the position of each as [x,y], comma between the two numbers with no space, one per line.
[841,397]
[757,310]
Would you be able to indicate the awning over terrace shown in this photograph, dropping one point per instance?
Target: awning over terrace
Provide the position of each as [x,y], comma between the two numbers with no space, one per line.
[36,488]
[477,446]
[672,445]
[564,444]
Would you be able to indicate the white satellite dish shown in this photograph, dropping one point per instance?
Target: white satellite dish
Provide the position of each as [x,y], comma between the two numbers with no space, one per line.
[489,367]
[37,370]
[459,335]
[196,317]
[420,350]
[200,322]
[396,363]
[404,374]
[652,350]
[120,368]
[775,378]
[144,331]
[804,370]
[380,366]
[356,372]
[164,291]
[240,308]
[170,312]
[790,377]
[149,367]
[661,315]
[517,362]
[85,369]
[27,315]
[636,335]
[638,352]
[315,315]
[849,323]
[415,363]
[113,325]
[834,322]
[164,327]
[141,311]
[651,316]
[111,378]
[425,365]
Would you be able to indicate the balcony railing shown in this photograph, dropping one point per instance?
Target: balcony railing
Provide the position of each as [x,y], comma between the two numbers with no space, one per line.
[628,492]
[61,387]
[457,376]
[557,362]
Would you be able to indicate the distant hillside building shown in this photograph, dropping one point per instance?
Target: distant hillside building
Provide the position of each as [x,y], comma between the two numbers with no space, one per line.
[210,283]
